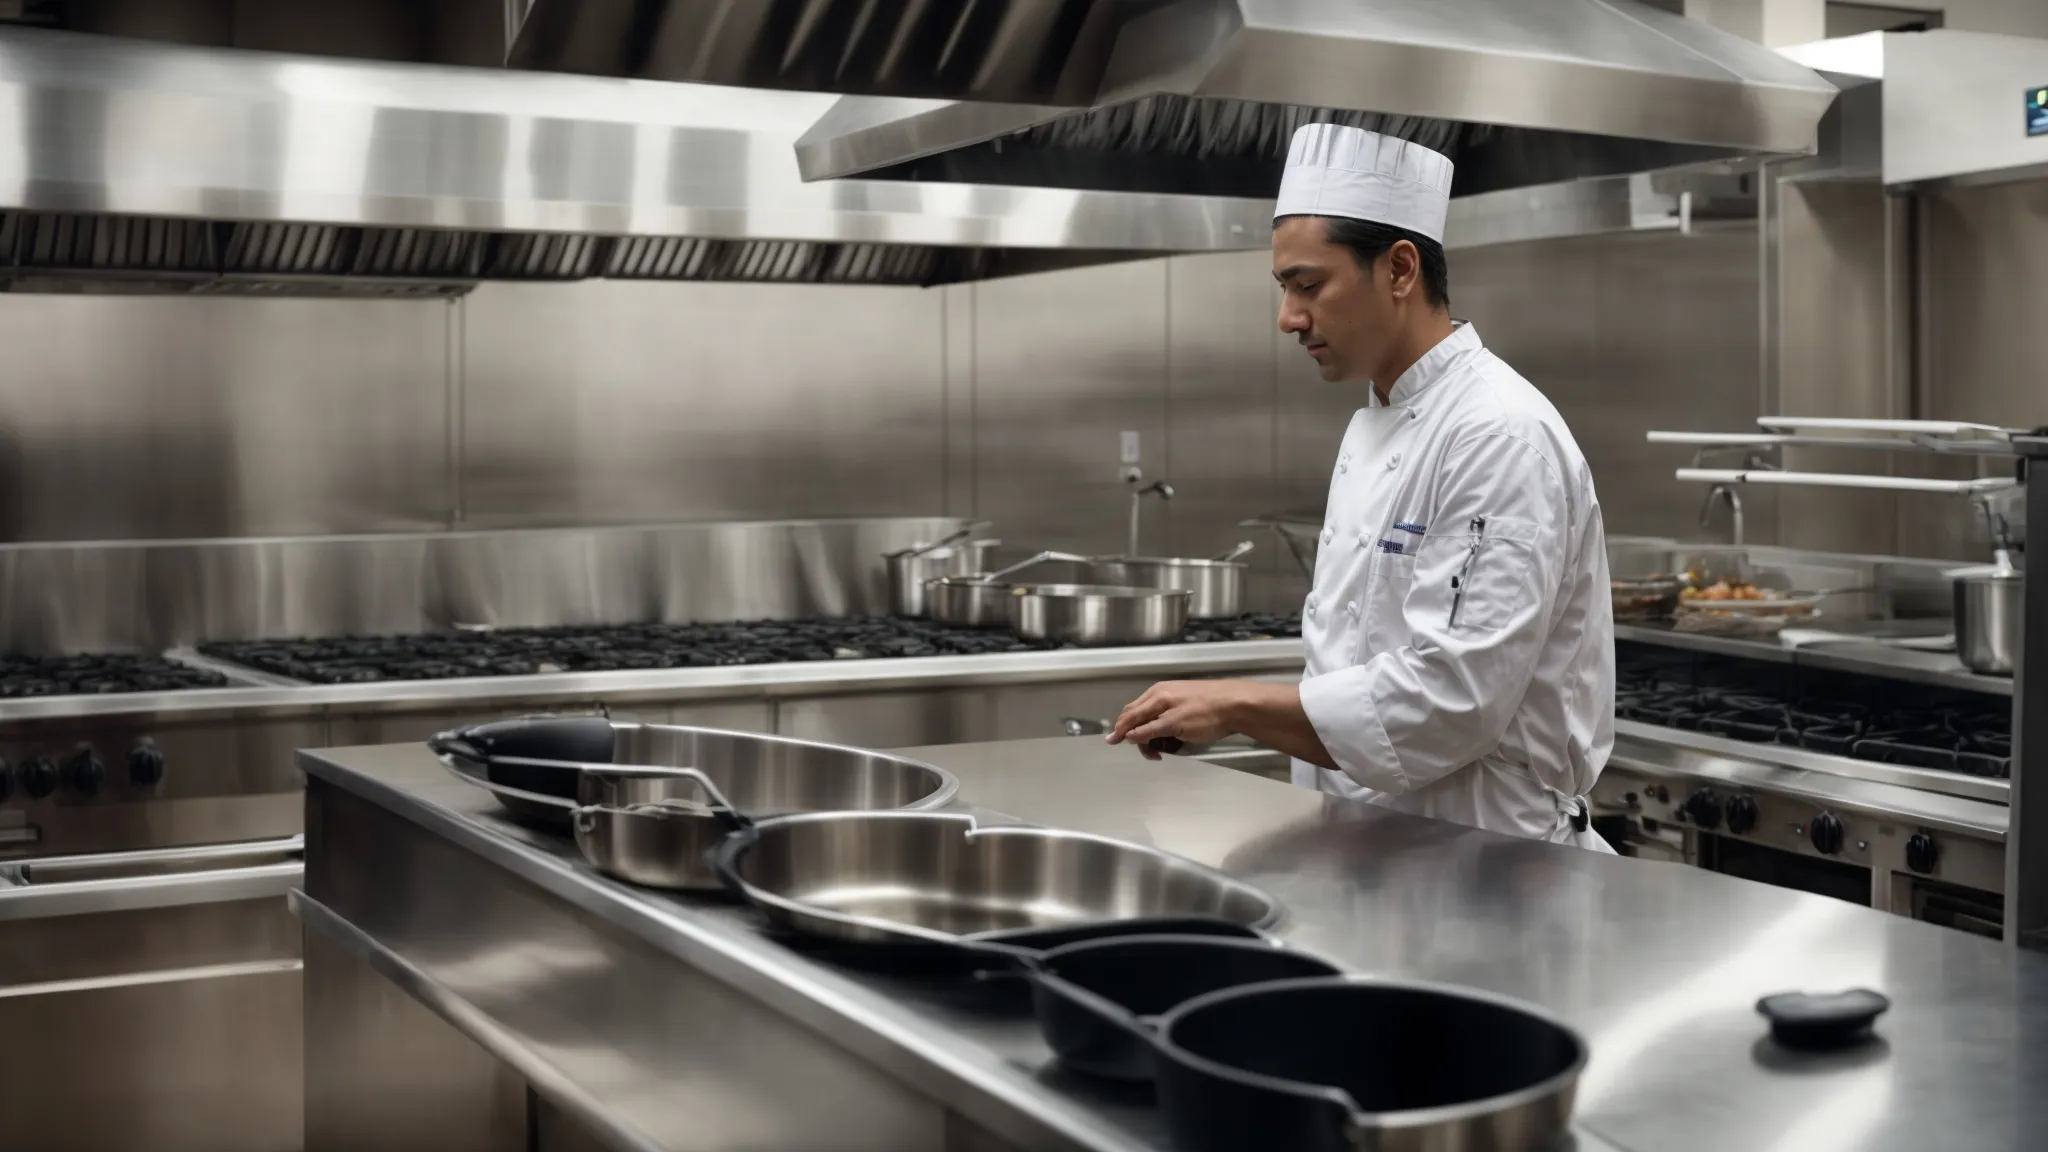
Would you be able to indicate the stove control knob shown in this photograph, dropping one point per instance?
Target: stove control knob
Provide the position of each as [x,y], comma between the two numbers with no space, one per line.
[1922,853]
[38,777]
[1742,814]
[85,771]
[1704,806]
[145,763]
[6,779]
[1825,832]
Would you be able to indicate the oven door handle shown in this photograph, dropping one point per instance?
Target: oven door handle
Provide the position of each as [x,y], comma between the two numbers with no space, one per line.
[36,901]
[52,869]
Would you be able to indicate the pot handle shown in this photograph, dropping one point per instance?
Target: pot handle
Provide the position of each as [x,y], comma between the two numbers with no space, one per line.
[1108,1011]
[449,763]
[721,809]
[725,859]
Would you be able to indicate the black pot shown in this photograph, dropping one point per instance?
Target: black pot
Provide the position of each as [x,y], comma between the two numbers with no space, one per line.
[1086,995]
[1348,1063]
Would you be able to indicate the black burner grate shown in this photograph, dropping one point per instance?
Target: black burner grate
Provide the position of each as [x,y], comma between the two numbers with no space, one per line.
[1837,713]
[98,675]
[536,651]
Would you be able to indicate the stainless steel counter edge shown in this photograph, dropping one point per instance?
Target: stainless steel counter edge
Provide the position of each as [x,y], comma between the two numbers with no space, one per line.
[472,1022]
[1919,780]
[1974,818]
[823,677]
[839,1010]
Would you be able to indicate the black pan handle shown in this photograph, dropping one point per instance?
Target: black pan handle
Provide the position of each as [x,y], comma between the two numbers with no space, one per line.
[725,859]
[1046,939]
[454,743]
[1102,1008]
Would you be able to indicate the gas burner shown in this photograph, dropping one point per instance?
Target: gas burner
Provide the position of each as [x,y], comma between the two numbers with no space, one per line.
[1854,716]
[98,674]
[640,647]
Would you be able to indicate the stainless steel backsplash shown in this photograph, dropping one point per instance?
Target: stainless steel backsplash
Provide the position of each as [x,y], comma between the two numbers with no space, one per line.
[151,595]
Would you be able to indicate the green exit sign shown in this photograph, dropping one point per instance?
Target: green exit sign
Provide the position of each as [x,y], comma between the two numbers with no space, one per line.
[2037,112]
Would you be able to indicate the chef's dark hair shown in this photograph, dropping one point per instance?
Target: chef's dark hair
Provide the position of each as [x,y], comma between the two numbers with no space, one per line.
[1369,241]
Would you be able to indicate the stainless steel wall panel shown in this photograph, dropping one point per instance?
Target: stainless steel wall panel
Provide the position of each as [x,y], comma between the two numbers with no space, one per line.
[1221,414]
[1834,356]
[957,399]
[1064,362]
[57,598]
[133,418]
[1987,272]
[602,402]
[1624,334]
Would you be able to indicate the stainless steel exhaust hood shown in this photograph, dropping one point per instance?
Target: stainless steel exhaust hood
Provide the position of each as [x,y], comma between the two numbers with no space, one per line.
[1201,96]
[128,166]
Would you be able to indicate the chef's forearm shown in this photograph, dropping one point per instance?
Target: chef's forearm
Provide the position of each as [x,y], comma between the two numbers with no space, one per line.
[1271,714]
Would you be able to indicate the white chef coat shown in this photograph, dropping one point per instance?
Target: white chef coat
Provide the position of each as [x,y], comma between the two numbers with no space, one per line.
[1503,716]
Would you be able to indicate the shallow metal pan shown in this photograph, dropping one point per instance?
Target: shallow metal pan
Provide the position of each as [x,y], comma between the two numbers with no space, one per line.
[1098,615]
[540,769]
[942,878]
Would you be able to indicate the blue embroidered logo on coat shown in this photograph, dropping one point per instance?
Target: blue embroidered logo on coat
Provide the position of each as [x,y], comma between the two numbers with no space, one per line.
[1407,526]
[1391,546]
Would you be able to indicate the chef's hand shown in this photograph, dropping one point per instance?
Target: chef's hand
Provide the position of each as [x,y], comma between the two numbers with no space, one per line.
[1177,712]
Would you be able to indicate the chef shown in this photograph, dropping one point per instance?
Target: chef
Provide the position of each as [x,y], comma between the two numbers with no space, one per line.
[1459,630]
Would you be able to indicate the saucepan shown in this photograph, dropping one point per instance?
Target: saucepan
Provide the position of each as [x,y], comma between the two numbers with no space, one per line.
[1098,615]
[1215,585]
[912,568]
[933,881]
[1329,1063]
[982,599]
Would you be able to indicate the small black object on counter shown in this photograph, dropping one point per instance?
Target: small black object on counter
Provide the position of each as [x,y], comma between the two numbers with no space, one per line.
[1808,1022]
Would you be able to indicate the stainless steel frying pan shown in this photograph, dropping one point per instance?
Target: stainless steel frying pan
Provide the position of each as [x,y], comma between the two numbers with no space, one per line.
[941,877]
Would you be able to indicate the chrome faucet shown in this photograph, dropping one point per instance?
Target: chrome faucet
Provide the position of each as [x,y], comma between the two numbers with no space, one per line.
[1161,489]
[1718,492]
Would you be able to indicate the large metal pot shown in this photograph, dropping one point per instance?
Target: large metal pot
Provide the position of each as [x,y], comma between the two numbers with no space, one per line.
[1987,616]
[910,572]
[1215,587]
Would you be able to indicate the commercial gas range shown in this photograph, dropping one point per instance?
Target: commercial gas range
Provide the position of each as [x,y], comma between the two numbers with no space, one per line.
[643,647]
[1879,791]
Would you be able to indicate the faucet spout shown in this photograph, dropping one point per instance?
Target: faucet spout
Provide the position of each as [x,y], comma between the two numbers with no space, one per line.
[1716,494]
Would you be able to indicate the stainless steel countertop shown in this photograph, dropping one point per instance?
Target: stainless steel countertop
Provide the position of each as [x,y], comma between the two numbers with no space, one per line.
[1660,965]
[817,678]
[1940,669]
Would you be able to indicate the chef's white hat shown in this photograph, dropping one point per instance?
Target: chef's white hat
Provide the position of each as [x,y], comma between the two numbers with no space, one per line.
[1333,170]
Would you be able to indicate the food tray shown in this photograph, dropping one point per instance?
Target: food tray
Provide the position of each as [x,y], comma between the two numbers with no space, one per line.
[1744,617]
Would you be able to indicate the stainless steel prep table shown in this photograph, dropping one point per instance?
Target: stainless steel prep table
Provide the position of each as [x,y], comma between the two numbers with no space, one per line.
[650,1022]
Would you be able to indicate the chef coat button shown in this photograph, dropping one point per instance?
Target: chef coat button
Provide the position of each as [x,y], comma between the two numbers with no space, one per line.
[1415,414]
[1342,467]
[1351,607]
[1393,461]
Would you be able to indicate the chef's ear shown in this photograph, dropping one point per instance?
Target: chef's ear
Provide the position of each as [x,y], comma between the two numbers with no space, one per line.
[1404,269]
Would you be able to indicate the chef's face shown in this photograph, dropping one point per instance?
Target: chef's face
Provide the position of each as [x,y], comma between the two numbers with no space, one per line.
[1344,313]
